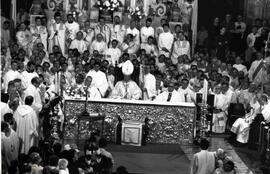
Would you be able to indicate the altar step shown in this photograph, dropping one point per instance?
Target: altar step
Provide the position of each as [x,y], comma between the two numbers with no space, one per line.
[218,142]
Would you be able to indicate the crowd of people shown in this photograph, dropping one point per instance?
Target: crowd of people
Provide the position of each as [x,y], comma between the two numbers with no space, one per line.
[71,59]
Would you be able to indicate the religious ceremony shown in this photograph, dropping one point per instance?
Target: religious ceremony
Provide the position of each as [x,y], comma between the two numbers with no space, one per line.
[135,87]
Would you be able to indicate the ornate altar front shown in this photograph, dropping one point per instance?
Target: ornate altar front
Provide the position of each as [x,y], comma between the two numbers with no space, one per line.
[170,122]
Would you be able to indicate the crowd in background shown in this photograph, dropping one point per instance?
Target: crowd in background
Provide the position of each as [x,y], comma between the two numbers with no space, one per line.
[71,59]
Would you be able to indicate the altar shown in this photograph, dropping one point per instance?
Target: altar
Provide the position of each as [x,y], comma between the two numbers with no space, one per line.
[170,123]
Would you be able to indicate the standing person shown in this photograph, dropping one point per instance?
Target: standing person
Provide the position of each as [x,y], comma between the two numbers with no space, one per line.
[118,30]
[27,124]
[251,38]
[255,73]
[11,74]
[134,31]
[90,33]
[34,91]
[4,107]
[28,74]
[10,144]
[180,47]
[99,45]
[165,41]
[99,79]
[39,33]
[72,28]
[203,162]
[113,54]
[213,33]
[149,84]
[147,31]
[24,38]
[57,33]
[103,29]
[238,35]
[5,34]
[222,45]
[170,95]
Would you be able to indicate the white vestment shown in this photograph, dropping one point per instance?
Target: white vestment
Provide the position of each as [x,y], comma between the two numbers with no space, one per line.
[165,40]
[136,34]
[10,147]
[90,36]
[72,29]
[99,80]
[112,55]
[27,77]
[43,35]
[146,32]
[241,67]
[175,97]
[241,127]
[57,36]
[126,90]
[118,33]
[180,48]
[150,86]
[31,90]
[266,112]
[9,76]
[27,125]
[203,162]
[4,110]
[150,49]
[259,76]
[81,45]
[93,92]
[101,47]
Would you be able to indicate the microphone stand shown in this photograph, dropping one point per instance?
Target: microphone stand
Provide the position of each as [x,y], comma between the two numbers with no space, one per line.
[84,112]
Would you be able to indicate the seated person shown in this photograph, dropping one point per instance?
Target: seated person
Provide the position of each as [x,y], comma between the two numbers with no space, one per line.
[99,44]
[130,46]
[79,43]
[126,89]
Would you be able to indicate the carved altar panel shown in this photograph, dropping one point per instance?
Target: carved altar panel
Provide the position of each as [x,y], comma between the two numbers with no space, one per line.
[171,123]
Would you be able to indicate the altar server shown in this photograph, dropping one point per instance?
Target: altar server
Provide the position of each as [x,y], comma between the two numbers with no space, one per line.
[165,41]
[39,33]
[180,47]
[130,46]
[27,124]
[171,95]
[72,28]
[150,91]
[102,28]
[118,30]
[99,44]
[99,79]
[33,90]
[79,43]
[134,31]
[28,74]
[147,31]
[149,47]
[57,33]
[127,88]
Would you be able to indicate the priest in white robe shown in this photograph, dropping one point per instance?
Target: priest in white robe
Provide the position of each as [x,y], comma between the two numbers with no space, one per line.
[171,95]
[256,71]
[39,33]
[165,41]
[10,144]
[118,30]
[130,46]
[99,44]
[72,28]
[57,32]
[147,31]
[79,43]
[180,47]
[4,107]
[28,74]
[90,33]
[104,30]
[134,31]
[33,90]
[11,74]
[113,53]
[27,124]
[149,91]
[99,79]
[149,47]
[127,88]
[92,91]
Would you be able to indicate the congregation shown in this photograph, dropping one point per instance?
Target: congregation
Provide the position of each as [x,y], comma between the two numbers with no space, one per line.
[65,58]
